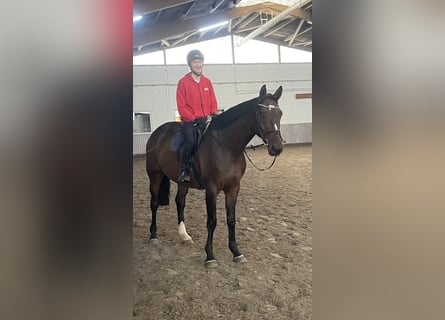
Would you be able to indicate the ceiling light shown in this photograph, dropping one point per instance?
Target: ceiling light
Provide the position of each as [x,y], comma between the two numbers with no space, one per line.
[137,18]
[213,26]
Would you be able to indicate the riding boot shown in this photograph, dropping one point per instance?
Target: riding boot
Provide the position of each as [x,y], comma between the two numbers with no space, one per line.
[184,166]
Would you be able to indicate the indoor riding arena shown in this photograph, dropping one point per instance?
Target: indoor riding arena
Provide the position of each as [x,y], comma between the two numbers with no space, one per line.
[274,205]
[273,228]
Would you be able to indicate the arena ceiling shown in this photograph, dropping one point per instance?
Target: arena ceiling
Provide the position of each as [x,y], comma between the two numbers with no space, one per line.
[171,23]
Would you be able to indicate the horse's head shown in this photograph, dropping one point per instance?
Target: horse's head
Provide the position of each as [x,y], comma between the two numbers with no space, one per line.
[268,115]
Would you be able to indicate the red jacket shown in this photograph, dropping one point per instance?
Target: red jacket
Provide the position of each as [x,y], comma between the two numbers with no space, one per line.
[195,100]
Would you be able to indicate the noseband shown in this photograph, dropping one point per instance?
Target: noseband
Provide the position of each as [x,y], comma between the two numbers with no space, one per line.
[263,135]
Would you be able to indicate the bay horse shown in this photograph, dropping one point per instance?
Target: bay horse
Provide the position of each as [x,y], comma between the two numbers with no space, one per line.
[219,161]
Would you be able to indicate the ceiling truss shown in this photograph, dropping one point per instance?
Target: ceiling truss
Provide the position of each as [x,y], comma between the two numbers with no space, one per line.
[169,23]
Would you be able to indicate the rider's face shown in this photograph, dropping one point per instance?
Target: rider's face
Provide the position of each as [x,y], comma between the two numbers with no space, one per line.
[196,65]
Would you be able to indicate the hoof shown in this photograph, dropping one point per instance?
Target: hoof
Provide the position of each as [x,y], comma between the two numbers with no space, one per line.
[210,264]
[154,241]
[188,242]
[240,259]
[186,238]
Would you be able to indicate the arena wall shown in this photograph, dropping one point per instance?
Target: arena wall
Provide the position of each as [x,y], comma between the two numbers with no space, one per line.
[154,91]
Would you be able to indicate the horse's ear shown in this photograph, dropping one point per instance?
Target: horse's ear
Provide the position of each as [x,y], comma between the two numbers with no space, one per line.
[263,90]
[278,93]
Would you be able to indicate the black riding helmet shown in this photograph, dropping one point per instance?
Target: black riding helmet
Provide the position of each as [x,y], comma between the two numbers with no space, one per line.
[194,54]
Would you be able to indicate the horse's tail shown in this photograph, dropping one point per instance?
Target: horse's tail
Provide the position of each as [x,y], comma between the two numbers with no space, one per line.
[164,191]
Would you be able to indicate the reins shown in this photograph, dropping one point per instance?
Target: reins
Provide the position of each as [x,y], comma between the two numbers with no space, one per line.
[261,169]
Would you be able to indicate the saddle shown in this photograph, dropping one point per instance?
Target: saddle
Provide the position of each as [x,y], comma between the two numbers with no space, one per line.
[201,126]
[176,142]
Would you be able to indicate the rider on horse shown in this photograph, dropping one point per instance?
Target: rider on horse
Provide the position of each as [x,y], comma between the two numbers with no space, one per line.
[196,102]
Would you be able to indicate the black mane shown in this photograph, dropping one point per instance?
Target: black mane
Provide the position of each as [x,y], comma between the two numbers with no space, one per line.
[231,115]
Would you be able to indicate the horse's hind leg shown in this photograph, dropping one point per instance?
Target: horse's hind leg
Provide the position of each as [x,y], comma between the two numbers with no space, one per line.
[231,196]
[180,205]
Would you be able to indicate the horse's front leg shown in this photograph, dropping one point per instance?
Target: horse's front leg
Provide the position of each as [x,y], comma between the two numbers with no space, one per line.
[211,225]
[180,205]
[155,182]
[231,196]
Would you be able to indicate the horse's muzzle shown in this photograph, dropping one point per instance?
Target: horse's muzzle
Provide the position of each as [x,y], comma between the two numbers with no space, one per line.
[275,149]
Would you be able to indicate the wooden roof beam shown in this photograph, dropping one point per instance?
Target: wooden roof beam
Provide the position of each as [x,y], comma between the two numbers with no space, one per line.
[296,12]
[280,26]
[265,6]
[245,29]
[296,32]
[283,15]
[302,32]
[238,22]
[184,38]
[247,21]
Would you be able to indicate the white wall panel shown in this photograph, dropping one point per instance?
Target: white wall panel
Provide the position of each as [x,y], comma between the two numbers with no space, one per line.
[157,100]
[139,142]
[175,73]
[253,72]
[221,74]
[225,95]
[150,75]
[296,72]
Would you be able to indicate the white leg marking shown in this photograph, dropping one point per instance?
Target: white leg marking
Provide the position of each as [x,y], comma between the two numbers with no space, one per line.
[183,233]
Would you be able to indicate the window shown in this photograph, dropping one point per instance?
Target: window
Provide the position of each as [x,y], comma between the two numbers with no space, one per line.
[141,122]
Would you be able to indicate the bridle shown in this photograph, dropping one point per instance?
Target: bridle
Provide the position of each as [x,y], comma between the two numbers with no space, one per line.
[262,134]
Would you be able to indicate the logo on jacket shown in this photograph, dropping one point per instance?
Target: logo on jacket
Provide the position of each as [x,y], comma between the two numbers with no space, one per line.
[206,89]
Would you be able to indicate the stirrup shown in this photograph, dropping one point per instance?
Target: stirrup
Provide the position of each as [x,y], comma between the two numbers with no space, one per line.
[183,176]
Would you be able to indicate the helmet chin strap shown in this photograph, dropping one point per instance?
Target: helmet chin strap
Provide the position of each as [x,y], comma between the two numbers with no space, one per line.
[196,73]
